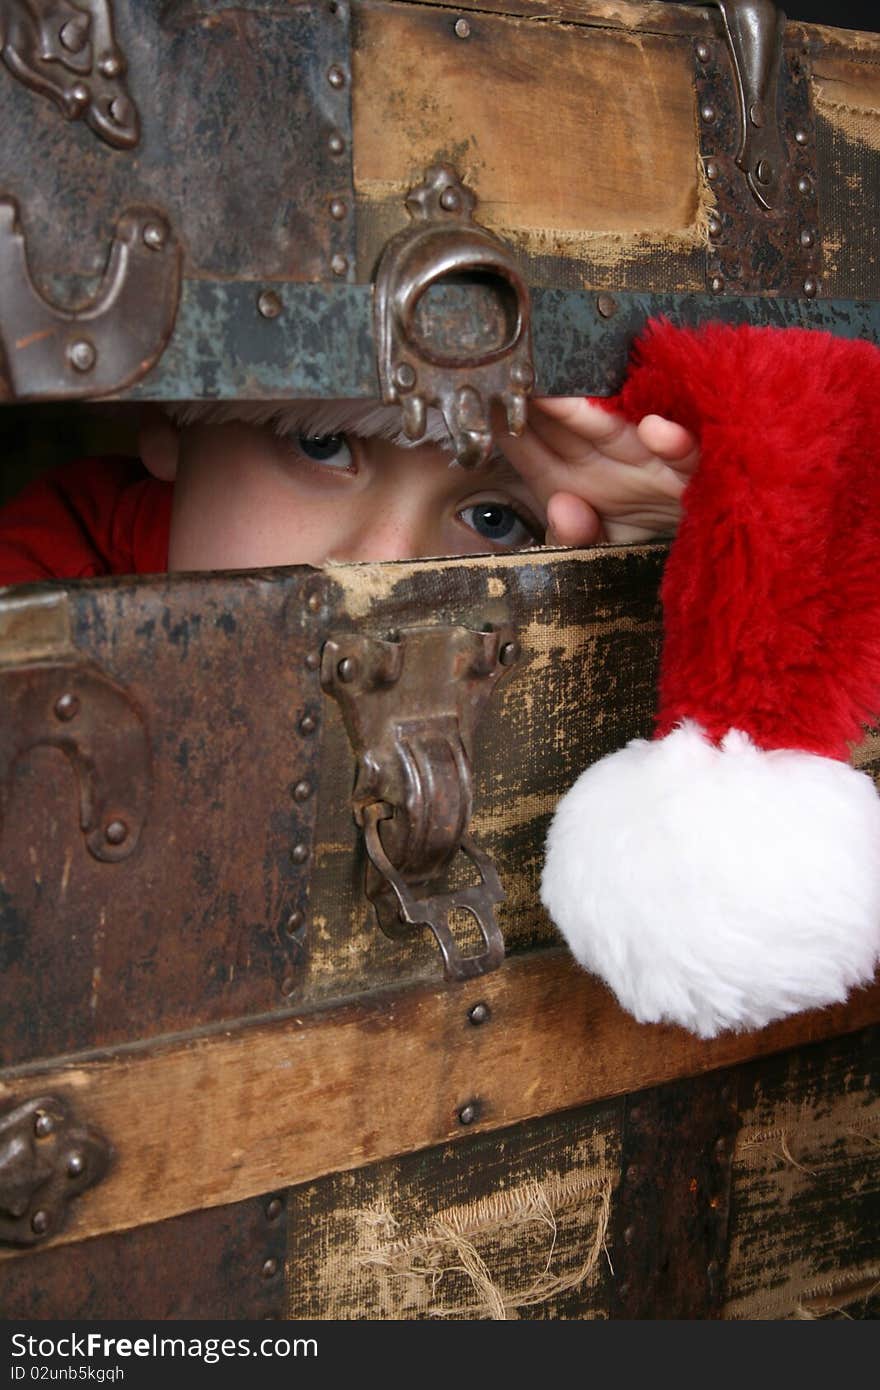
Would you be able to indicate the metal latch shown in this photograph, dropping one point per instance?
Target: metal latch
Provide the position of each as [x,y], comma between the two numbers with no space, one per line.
[754,30]
[489,354]
[47,1156]
[411,704]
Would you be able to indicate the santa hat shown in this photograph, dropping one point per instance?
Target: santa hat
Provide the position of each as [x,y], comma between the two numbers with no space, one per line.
[727,873]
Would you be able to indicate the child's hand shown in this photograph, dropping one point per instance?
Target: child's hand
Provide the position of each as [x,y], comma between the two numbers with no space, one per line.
[599,477]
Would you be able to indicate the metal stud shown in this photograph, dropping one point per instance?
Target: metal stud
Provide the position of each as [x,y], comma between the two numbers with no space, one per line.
[468,1113]
[509,653]
[274,1209]
[76,1165]
[40,1223]
[764,171]
[479,1013]
[43,1124]
[79,95]
[116,833]
[405,375]
[703,51]
[302,791]
[462,29]
[111,65]
[606,304]
[450,200]
[807,237]
[811,287]
[313,660]
[521,374]
[82,355]
[337,209]
[299,854]
[336,144]
[73,34]
[711,170]
[716,284]
[270,1268]
[269,304]
[714,224]
[154,236]
[120,110]
[339,264]
[805,184]
[307,725]
[66,706]
[336,76]
[708,113]
[347,670]
[294,922]
[801,137]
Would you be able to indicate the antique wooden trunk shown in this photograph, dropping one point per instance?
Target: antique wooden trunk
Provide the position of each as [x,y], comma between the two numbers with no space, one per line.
[235,1082]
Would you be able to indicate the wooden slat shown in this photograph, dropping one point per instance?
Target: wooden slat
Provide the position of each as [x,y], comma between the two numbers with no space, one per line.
[214,1119]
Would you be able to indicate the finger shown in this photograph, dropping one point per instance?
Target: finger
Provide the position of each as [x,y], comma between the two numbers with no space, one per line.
[670,442]
[565,424]
[572,521]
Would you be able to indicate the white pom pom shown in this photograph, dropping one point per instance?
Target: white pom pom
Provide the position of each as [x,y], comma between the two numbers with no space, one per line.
[718,888]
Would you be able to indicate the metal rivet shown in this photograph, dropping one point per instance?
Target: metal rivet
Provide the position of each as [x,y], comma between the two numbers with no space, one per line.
[79,93]
[606,305]
[450,200]
[629,1234]
[111,66]
[299,854]
[480,1013]
[336,76]
[302,791]
[269,304]
[716,284]
[73,34]
[337,209]
[811,287]
[462,29]
[764,171]
[707,112]
[116,833]
[807,237]
[714,224]
[756,114]
[82,355]
[339,264]
[307,725]
[711,170]
[294,922]
[704,52]
[405,375]
[805,185]
[522,374]
[274,1209]
[801,137]
[270,1268]
[336,144]
[393,635]
[120,110]
[154,236]
[43,1124]
[509,653]
[40,1222]
[468,1113]
[76,1165]
[347,670]
[288,985]
[313,660]
[66,706]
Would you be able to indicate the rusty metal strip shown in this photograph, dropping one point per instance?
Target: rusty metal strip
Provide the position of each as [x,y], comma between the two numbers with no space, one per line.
[671,1209]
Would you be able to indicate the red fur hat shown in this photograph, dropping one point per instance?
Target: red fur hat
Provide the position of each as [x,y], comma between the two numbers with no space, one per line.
[727,873]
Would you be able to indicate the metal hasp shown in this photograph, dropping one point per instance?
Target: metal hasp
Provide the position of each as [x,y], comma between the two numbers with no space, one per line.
[444,244]
[47,1156]
[754,30]
[52,700]
[61,354]
[411,705]
[68,52]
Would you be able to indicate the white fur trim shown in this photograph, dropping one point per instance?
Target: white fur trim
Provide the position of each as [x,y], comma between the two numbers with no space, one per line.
[718,888]
[366,419]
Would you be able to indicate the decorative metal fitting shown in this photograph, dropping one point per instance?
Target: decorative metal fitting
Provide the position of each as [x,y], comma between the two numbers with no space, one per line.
[58,354]
[411,711]
[445,244]
[44,44]
[47,1156]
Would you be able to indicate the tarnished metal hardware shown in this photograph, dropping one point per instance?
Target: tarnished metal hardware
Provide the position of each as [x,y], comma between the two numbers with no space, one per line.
[754,30]
[51,699]
[444,245]
[411,705]
[47,1157]
[61,354]
[69,53]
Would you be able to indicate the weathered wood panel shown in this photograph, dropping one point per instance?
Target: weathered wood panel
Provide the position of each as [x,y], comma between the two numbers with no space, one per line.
[221,1117]
[226,1262]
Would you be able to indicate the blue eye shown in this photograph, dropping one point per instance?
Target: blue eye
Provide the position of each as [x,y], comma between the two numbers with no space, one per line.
[330,449]
[498,522]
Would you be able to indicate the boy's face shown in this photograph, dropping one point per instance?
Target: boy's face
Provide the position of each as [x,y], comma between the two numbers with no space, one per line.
[246,497]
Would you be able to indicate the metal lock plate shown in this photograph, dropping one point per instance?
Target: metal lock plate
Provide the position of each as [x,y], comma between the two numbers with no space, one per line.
[47,1156]
[411,704]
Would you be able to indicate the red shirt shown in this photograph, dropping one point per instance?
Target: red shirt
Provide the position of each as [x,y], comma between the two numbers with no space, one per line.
[95,516]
